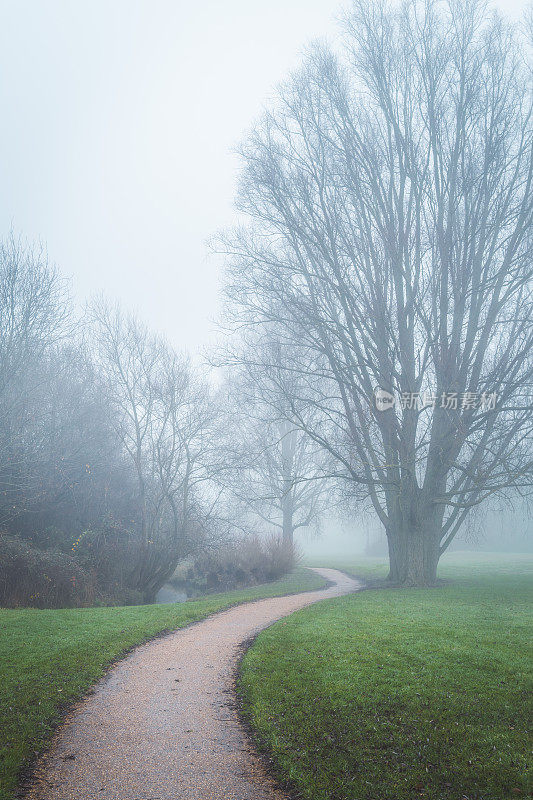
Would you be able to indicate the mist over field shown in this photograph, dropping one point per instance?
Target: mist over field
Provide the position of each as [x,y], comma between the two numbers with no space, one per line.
[497,530]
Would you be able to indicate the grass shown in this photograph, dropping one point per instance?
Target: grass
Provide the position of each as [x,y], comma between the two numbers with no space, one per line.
[48,658]
[401,694]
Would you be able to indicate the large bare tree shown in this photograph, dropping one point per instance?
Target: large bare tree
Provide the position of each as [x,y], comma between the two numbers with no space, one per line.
[389,202]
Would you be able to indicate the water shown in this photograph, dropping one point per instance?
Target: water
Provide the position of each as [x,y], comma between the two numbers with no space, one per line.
[167,594]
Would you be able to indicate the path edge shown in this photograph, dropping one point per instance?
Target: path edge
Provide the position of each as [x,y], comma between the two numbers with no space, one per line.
[236,701]
[27,773]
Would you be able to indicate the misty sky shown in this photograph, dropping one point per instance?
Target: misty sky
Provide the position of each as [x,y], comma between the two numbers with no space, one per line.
[118,121]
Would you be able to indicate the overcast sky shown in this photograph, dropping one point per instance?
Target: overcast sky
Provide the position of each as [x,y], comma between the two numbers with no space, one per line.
[118,123]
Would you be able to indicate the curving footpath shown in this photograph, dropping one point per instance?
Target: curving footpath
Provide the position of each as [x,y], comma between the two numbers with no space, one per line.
[162,724]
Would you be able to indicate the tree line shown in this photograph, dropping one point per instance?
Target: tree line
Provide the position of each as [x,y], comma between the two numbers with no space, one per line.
[115,459]
[378,326]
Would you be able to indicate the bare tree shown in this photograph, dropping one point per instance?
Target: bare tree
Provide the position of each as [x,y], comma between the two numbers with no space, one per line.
[277,475]
[277,470]
[161,419]
[389,197]
[104,451]
[34,307]
[34,312]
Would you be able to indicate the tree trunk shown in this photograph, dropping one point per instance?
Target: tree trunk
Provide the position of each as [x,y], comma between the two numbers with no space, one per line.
[413,554]
[159,573]
[396,558]
[288,513]
[288,530]
[422,558]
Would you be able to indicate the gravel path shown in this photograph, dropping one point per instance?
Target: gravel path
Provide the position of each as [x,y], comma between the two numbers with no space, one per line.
[162,724]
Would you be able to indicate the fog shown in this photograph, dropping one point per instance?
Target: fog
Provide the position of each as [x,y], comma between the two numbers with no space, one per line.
[494,529]
[375,344]
[120,121]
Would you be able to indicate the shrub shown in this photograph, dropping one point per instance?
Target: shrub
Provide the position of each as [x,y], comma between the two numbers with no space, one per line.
[245,561]
[41,578]
[281,556]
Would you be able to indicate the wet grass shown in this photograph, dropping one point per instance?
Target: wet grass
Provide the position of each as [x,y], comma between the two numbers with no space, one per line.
[48,658]
[401,694]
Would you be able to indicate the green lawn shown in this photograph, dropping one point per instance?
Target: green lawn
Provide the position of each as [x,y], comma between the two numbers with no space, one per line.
[396,694]
[48,658]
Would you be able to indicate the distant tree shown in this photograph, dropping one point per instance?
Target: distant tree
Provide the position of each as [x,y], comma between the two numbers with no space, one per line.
[34,308]
[277,470]
[34,313]
[61,471]
[389,199]
[276,474]
[66,450]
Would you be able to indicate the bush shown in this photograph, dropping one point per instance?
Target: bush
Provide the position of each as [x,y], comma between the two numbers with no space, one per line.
[245,561]
[281,557]
[42,578]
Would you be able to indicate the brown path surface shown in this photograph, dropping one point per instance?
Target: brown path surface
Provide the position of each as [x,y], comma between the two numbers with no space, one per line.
[162,724]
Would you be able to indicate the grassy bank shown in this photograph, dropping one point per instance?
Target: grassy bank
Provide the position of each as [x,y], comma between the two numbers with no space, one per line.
[50,657]
[396,695]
